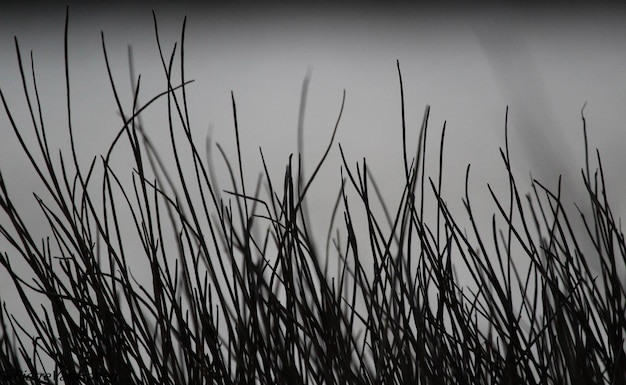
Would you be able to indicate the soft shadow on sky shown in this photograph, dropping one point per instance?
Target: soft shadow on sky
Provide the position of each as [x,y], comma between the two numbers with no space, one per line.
[467,64]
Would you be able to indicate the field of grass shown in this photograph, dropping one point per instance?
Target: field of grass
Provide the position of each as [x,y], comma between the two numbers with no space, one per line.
[239,293]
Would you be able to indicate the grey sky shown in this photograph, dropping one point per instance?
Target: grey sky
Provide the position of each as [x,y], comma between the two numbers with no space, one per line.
[467,64]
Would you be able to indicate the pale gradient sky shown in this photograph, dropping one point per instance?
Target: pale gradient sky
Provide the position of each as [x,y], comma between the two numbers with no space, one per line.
[468,64]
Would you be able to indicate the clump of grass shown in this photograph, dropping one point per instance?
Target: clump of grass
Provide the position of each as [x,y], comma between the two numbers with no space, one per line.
[239,293]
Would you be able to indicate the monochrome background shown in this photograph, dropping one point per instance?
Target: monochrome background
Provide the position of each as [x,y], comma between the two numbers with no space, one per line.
[468,64]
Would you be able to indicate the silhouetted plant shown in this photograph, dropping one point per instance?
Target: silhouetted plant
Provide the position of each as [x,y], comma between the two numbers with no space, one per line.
[239,292]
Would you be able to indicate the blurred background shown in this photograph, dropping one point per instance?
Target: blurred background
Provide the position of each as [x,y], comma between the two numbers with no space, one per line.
[468,63]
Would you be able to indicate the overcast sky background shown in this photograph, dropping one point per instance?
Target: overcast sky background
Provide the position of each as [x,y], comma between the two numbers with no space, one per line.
[467,63]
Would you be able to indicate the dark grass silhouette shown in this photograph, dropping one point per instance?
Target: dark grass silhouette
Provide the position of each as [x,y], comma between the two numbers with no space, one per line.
[240,294]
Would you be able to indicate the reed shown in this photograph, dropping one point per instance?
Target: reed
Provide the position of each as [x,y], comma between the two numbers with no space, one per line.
[239,293]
